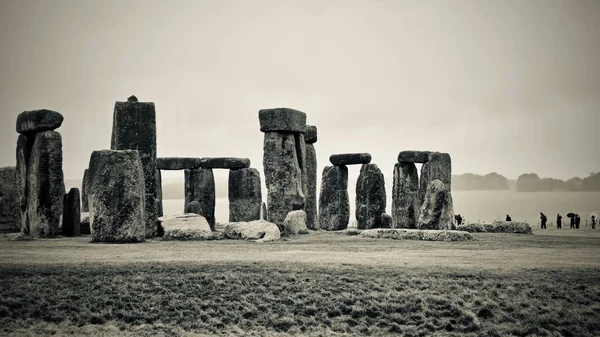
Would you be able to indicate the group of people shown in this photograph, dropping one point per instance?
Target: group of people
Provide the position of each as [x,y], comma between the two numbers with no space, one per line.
[575,221]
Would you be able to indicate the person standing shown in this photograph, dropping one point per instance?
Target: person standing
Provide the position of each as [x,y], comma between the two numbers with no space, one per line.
[577,221]
[544,219]
[508,218]
[593,222]
[572,222]
[558,221]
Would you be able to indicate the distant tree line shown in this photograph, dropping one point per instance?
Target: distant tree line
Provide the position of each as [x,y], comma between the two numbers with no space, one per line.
[475,182]
[531,182]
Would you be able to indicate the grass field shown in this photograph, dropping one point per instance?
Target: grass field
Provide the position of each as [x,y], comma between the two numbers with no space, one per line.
[547,284]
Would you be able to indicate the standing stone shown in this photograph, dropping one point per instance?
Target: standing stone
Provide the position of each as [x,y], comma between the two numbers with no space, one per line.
[405,196]
[447,220]
[84,191]
[311,186]
[438,166]
[159,199]
[245,196]
[24,146]
[72,214]
[200,186]
[46,185]
[117,197]
[10,212]
[386,220]
[294,223]
[433,206]
[263,211]
[283,175]
[134,128]
[334,203]
[370,197]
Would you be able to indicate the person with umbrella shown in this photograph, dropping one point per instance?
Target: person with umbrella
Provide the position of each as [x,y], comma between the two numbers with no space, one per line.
[558,221]
[544,219]
[572,217]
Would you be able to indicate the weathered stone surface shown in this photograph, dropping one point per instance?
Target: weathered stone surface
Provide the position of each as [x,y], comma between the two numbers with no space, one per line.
[38,121]
[85,223]
[370,197]
[413,157]
[405,196]
[245,195]
[200,186]
[447,220]
[350,158]
[282,119]
[230,163]
[72,214]
[24,146]
[438,166]
[117,197]
[10,211]
[301,156]
[334,203]
[46,187]
[159,198]
[177,163]
[283,175]
[433,208]
[295,223]
[259,231]
[386,220]
[263,211]
[311,187]
[134,128]
[417,234]
[513,227]
[85,191]
[185,227]
[310,134]
[193,207]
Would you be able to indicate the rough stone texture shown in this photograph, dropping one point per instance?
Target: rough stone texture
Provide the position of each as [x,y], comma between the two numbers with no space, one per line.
[447,220]
[10,211]
[193,207]
[438,166]
[263,211]
[185,227]
[334,204]
[350,159]
[72,214]
[432,211]
[38,120]
[85,223]
[230,163]
[282,119]
[405,196]
[45,185]
[514,227]
[311,187]
[310,134]
[301,156]
[413,157]
[85,191]
[416,234]
[159,198]
[200,186]
[24,146]
[370,197]
[295,223]
[117,197]
[245,195]
[283,175]
[386,220]
[134,128]
[259,231]
[177,163]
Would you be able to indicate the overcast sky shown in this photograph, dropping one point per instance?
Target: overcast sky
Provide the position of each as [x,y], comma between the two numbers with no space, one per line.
[505,86]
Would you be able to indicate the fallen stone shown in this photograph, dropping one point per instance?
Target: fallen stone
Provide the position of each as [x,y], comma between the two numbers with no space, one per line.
[370,197]
[386,220]
[514,227]
[38,120]
[282,120]
[405,196]
[46,187]
[311,187]
[350,159]
[134,128]
[334,204]
[10,211]
[230,163]
[431,210]
[85,191]
[413,157]
[283,175]
[310,134]
[85,224]
[438,166]
[72,214]
[472,228]
[116,197]
[185,227]
[295,223]
[177,163]
[417,234]
[200,187]
[259,231]
[245,195]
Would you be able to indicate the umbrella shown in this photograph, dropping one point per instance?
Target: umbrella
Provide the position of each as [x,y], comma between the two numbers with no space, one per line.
[570,215]
[593,214]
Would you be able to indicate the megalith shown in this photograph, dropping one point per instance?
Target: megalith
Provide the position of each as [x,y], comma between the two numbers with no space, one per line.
[117,197]
[334,203]
[10,212]
[245,195]
[284,161]
[310,137]
[200,186]
[350,158]
[72,213]
[370,197]
[263,211]
[438,166]
[159,199]
[434,211]
[134,128]
[84,191]
[34,121]
[405,196]
[24,146]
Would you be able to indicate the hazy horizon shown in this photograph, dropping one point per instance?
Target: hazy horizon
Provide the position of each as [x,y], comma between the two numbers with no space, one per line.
[510,87]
